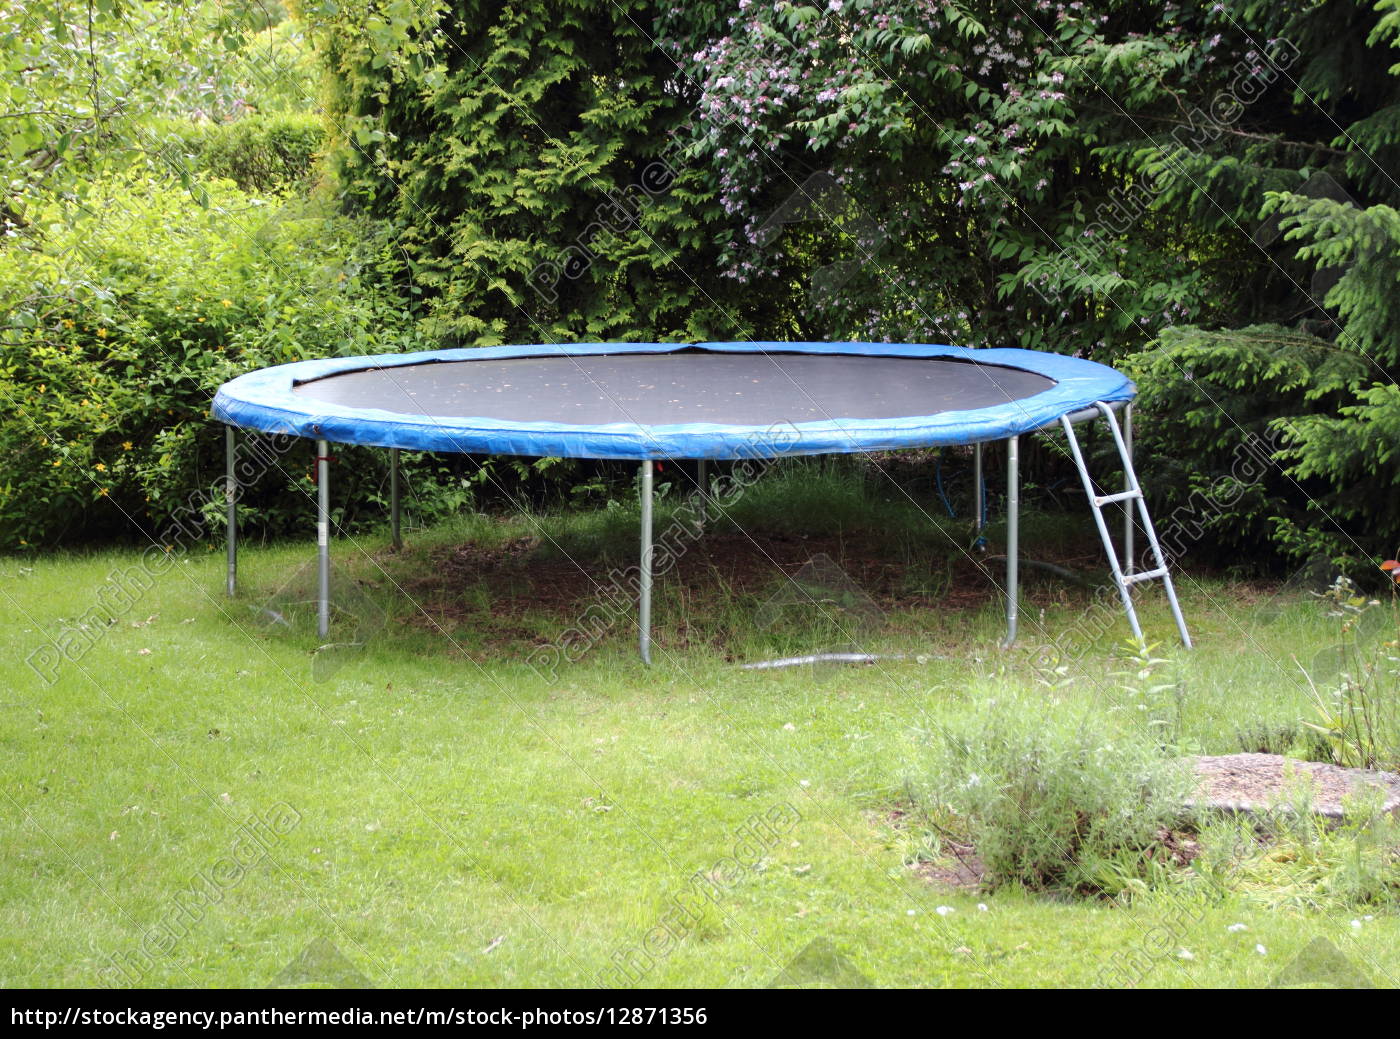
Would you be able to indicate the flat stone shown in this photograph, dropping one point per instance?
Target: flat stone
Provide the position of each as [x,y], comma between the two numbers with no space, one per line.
[1259,784]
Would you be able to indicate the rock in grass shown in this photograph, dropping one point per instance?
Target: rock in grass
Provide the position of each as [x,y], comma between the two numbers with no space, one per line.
[1260,784]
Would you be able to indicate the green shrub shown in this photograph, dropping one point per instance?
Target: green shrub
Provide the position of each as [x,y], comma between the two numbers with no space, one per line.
[259,153]
[119,326]
[526,156]
[1295,860]
[1054,801]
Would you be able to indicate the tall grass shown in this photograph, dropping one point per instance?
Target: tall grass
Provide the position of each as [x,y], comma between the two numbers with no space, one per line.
[1054,796]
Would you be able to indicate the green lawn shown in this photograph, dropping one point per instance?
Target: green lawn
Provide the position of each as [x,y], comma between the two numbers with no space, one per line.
[202,800]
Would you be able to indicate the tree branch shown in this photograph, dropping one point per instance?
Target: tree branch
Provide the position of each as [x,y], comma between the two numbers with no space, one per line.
[1263,138]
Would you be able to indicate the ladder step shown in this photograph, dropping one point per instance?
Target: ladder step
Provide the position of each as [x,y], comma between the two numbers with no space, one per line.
[1145,575]
[1124,581]
[1109,499]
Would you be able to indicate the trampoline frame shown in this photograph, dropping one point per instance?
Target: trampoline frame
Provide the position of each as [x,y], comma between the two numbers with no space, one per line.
[1122,570]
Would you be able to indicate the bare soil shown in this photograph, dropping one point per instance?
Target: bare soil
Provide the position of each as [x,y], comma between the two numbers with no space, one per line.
[960,869]
[520,577]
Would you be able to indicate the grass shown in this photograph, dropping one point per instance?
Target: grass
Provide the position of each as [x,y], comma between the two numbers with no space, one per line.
[455,817]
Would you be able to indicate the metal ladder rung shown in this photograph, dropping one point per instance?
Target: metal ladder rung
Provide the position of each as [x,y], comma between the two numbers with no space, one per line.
[1145,575]
[1109,499]
[1125,581]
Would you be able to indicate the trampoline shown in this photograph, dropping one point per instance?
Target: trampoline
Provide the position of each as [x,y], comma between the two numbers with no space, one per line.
[707,401]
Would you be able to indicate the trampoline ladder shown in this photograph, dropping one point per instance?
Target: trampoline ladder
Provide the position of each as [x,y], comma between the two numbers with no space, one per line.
[1125,581]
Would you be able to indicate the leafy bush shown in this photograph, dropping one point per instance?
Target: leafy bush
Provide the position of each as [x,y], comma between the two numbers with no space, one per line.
[259,153]
[123,320]
[1206,183]
[524,155]
[261,129]
[88,78]
[1210,436]
[1054,802]
[1295,860]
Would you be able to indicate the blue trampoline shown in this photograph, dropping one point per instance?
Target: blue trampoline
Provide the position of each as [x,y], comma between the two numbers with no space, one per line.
[654,401]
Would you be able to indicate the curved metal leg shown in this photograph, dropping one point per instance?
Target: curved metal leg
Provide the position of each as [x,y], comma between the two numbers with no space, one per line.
[1013,536]
[323,539]
[644,583]
[231,503]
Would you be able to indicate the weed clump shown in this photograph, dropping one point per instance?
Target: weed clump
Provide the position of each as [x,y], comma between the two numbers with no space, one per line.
[1058,802]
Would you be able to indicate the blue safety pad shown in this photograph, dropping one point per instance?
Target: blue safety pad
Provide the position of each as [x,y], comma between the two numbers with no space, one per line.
[266,400]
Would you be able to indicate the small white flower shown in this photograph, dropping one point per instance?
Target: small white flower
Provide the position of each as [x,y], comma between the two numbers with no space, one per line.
[1185,954]
[982,907]
[911,912]
[1233,928]
[943,910]
[1261,950]
[1356,925]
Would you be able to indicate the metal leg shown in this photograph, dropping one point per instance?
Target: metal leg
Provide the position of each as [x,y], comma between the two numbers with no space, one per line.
[1013,536]
[644,605]
[231,503]
[978,506]
[1128,486]
[323,539]
[702,477]
[394,499]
